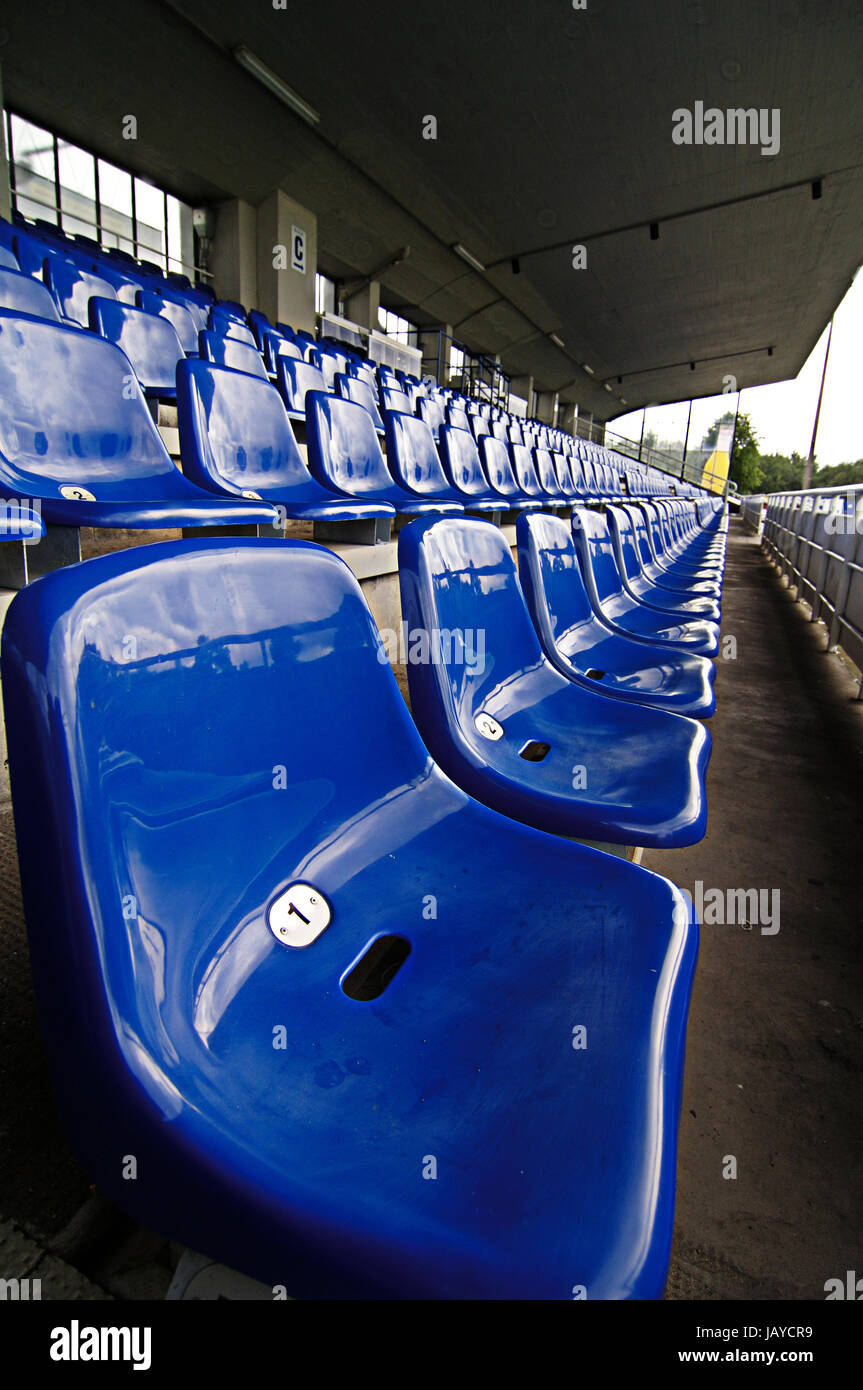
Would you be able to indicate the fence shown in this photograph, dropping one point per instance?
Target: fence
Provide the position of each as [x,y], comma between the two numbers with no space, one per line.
[815,538]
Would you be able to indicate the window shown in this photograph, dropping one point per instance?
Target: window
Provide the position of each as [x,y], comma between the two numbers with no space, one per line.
[325,295]
[402,330]
[54,181]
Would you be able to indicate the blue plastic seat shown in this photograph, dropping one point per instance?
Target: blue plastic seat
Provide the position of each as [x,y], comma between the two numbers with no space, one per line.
[282,1116]
[461,463]
[295,380]
[664,578]
[186,300]
[354,388]
[413,460]
[275,345]
[517,734]
[580,645]
[231,352]
[150,343]
[617,608]
[545,472]
[8,259]
[78,436]
[636,584]
[21,294]
[72,288]
[525,475]
[229,326]
[176,315]
[236,439]
[345,453]
[495,459]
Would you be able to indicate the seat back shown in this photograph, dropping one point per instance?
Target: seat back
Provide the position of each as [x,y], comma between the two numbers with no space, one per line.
[525,473]
[460,459]
[73,287]
[354,388]
[431,411]
[595,550]
[295,379]
[412,456]
[21,294]
[343,447]
[231,352]
[458,577]
[229,326]
[495,460]
[234,431]
[149,342]
[545,471]
[70,419]
[550,576]
[179,318]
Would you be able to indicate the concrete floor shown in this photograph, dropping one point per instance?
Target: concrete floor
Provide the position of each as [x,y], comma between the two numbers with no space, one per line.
[775,1042]
[775,1047]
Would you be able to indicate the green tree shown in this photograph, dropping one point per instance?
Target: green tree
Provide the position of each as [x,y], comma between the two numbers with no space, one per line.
[744,469]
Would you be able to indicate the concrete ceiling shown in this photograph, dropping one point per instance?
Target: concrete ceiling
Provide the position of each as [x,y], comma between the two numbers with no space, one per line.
[554,127]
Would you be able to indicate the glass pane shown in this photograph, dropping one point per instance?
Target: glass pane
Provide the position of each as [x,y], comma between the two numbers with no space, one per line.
[175,235]
[33,155]
[115,199]
[150,221]
[77,189]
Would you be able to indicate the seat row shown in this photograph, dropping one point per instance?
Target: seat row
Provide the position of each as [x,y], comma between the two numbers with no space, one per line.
[370,1020]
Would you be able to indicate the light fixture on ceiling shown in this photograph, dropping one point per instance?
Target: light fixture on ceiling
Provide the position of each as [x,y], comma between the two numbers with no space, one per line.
[608,388]
[273,83]
[589,370]
[466,256]
[558,342]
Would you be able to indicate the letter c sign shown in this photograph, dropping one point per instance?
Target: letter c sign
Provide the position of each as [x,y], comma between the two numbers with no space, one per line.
[298,250]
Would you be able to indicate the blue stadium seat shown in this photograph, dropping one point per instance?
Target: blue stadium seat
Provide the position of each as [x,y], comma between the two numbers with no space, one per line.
[179,318]
[275,345]
[236,439]
[231,352]
[185,299]
[75,436]
[664,578]
[545,472]
[525,474]
[497,465]
[580,645]
[413,460]
[21,294]
[72,288]
[150,343]
[295,380]
[345,453]
[616,608]
[513,731]
[8,259]
[229,326]
[461,464]
[354,388]
[282,1099]
[680,605]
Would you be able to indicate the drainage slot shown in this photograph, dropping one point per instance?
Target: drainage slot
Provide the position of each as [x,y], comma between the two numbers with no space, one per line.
[595,675]
[534,752]
[376,968]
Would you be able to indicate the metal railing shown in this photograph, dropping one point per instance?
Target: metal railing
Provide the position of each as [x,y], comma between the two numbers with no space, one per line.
[815,538]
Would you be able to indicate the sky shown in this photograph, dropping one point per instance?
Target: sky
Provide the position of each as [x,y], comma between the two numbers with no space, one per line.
[783,414]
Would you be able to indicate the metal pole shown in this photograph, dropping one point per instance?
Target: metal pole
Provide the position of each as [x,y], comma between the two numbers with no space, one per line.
[641,439]
[810,462]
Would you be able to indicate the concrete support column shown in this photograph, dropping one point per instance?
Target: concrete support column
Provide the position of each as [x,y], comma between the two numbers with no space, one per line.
[233,255]
[568,414]
[523,386]
[584,424]
[5,195]
[362,308]
[546,406]
[287,259]
[436,341]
